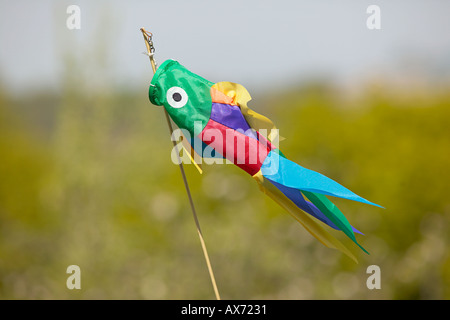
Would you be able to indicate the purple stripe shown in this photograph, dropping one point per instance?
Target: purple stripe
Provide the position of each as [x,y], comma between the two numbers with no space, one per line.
[297,197]
[231,116]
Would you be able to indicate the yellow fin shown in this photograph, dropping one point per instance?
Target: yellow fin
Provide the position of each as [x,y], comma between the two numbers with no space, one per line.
[241,96]
[305,220]
[190,151]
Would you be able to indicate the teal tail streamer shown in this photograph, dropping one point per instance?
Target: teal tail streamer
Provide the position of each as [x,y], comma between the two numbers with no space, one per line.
[294,180]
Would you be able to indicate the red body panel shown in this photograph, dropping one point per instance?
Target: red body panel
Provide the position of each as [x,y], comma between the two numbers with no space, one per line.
[245,152]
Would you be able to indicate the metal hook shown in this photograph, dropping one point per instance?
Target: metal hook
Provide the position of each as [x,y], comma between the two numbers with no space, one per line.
[150,49]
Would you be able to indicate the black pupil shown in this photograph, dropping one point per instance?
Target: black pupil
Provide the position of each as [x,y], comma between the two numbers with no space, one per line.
[176,96]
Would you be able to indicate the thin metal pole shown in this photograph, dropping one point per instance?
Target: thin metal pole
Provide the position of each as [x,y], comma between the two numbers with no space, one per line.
[150,51]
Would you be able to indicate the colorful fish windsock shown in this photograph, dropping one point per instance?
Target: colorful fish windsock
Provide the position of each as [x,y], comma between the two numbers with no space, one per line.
[216,114]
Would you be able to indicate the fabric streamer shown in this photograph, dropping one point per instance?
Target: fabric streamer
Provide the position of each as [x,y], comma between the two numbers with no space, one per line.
[217,118]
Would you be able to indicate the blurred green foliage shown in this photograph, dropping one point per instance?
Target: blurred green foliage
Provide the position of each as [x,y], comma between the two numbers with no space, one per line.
[86,179]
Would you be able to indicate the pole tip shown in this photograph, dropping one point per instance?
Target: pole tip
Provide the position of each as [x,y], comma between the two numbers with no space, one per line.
[146,33]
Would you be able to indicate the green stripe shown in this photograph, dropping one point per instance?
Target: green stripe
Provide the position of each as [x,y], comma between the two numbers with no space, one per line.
[333,213]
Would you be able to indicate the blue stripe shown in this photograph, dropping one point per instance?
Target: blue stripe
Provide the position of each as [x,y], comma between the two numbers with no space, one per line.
[290,174]
[297,198]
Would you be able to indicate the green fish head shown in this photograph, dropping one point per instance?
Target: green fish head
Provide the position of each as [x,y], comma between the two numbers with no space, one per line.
[185,95]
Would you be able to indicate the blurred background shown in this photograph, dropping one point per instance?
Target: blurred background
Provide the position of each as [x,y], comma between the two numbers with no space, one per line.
[85,170]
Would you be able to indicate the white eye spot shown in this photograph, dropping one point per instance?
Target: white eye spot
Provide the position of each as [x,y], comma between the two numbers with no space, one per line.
[176,97]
